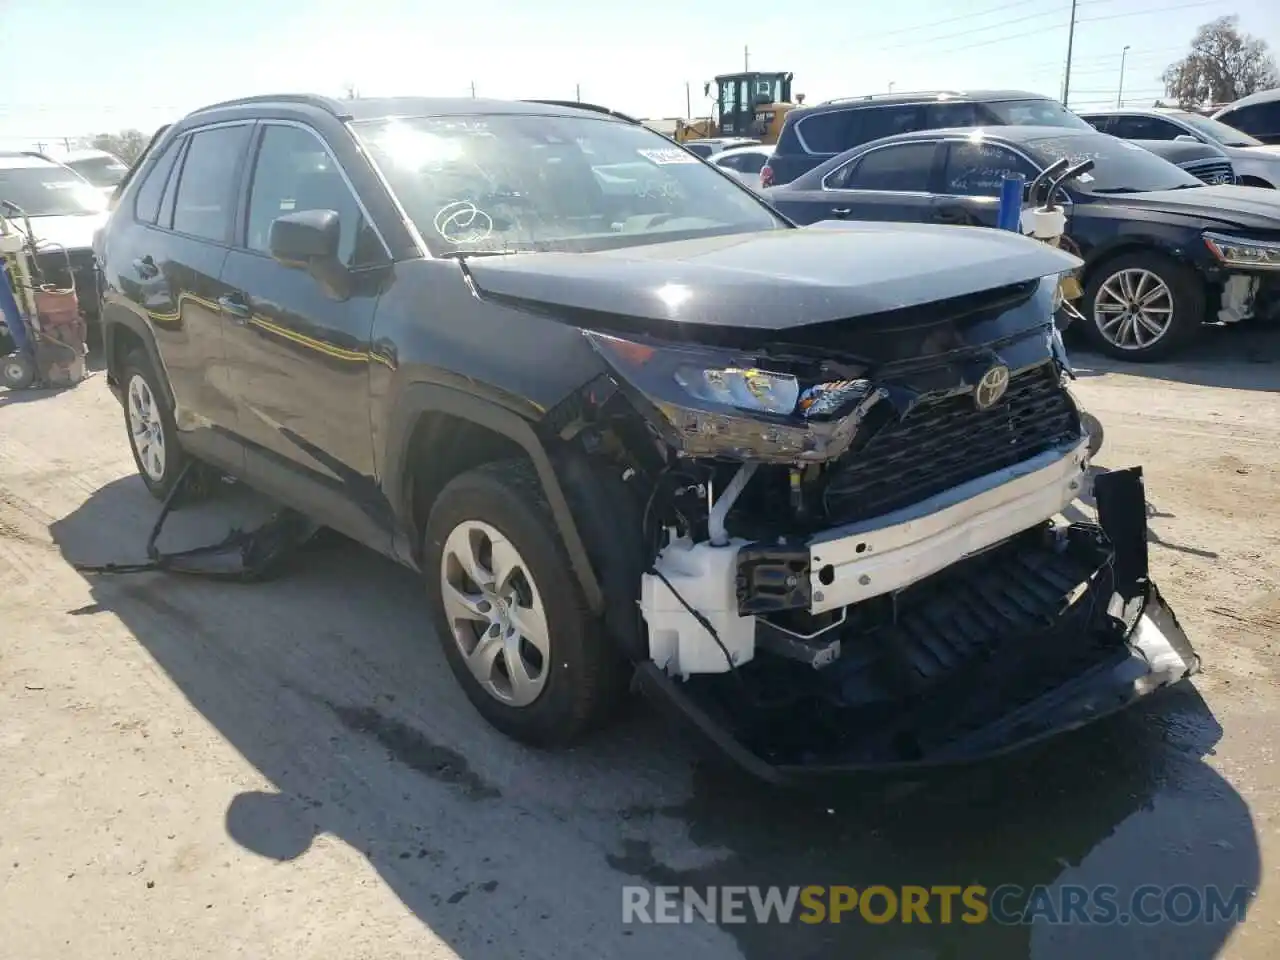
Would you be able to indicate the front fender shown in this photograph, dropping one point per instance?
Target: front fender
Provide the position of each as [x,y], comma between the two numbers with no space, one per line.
[420,399]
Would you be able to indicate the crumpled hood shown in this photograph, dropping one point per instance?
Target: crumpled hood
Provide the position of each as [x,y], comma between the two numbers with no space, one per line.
[1254,208]
[72,232]
[776,279]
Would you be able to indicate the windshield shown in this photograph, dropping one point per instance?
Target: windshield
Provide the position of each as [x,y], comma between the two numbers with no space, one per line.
[1118,166]
[1218,131]
[49,191]
[508,183]
[100,171]
[1037,112]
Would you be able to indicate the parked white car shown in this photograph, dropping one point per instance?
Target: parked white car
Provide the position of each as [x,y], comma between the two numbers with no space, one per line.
[1256,164]
[103,170]
[707,147]
[745,163]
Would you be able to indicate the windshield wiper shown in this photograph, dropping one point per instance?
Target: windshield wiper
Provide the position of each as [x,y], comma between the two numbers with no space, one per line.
[462,254]
[1118,190]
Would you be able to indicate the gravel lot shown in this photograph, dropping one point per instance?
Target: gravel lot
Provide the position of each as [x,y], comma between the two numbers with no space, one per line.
[192,769]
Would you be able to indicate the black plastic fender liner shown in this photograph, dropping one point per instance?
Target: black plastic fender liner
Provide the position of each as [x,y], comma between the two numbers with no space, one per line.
[424,398]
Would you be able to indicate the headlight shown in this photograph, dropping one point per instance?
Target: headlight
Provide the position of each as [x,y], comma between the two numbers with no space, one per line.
[1240,252]
[716,402]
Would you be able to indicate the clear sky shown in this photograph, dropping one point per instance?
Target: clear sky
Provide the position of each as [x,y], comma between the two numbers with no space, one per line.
[79,67]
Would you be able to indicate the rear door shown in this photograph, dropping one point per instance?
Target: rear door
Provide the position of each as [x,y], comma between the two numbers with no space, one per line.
[972,175]
[168,264]
[885,183]
[299,356]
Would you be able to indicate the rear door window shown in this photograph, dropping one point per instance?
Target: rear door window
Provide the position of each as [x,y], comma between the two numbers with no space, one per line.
[1102,124]
[1143,128]
[701,149]
[979,169]
[954,115]
[147,205]
[827,132]
[204,205]
[902,168]
[880,122]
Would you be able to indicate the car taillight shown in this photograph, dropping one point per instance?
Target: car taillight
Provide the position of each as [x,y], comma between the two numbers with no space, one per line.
[766,176]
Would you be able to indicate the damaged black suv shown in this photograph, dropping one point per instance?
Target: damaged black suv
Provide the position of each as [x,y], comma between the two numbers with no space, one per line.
[629,423]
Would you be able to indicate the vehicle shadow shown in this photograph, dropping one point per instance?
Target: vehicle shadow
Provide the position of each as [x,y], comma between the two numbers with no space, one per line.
[326,682]
[1243,356]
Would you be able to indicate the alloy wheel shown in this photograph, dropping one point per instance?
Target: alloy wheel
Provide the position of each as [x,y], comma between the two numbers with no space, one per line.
[146,428]
[495,613]
[1133,309]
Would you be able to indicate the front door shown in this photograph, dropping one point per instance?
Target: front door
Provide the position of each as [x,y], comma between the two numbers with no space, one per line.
[299,356]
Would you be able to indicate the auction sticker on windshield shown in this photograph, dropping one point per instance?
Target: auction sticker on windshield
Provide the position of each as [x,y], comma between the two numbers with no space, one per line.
[667,156]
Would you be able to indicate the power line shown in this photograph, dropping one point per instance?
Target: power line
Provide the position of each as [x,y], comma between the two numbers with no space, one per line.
[965,33]
[1139,13]
[967,16]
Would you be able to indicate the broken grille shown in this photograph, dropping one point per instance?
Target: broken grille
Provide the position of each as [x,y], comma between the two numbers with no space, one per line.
[943,443]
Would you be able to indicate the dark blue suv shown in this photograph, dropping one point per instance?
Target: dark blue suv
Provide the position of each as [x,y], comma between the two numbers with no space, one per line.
[811,135]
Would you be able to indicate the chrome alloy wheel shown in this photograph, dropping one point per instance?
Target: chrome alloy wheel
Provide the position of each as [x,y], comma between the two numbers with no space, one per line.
[495,613]
[1133,309]
[146,429]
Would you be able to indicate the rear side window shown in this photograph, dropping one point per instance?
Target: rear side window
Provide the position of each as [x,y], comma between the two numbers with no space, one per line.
[205,201]
[147,205]
[954,115]
[1260,120]
[701,149]
[901,168]
[886,121]
[827,132]
[1102,124]
[1144,128]
[978,169]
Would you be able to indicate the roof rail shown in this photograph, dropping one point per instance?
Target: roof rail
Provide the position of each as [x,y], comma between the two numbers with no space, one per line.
[887,96]
[306,99]
[593,107]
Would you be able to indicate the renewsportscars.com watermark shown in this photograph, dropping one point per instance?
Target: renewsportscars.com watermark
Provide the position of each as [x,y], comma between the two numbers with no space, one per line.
[1008,904]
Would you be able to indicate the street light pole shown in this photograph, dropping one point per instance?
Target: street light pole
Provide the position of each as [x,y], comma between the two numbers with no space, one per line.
[891,82]
[1120,89]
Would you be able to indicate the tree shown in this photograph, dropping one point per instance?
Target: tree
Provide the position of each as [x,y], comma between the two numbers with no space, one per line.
[127,144]
[1224,65]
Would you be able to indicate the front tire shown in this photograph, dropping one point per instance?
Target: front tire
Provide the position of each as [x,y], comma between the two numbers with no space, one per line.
[153,434]
[1143,306]
[509,611]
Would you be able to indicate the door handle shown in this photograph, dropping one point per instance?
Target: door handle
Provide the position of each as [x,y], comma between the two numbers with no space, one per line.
[841,212]
[146,267]
[234,307]
[957,215]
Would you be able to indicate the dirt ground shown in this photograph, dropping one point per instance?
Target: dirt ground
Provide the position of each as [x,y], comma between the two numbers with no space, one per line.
[193,769]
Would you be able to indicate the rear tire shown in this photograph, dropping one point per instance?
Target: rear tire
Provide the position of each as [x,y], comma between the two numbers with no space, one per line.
[509,611]
[148,419]
[1142,306]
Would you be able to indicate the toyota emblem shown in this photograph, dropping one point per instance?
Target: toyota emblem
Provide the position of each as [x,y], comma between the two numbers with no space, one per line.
[991,387]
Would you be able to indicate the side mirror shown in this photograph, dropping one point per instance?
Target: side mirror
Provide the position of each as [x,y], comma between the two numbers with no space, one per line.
[308,240]
[1186,138]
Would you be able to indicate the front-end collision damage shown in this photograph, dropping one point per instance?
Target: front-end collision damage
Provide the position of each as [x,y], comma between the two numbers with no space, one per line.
[849,550]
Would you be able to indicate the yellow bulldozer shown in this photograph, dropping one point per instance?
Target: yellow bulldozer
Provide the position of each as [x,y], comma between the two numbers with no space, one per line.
[751,105]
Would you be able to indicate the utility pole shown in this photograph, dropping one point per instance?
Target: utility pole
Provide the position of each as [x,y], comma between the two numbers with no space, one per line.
[746,60]
[688,102]
[577,92]
[473,89]
[1071,39]
[1120,89]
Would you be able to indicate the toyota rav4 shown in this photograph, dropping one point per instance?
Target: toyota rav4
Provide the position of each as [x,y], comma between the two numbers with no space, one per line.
[804,485]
